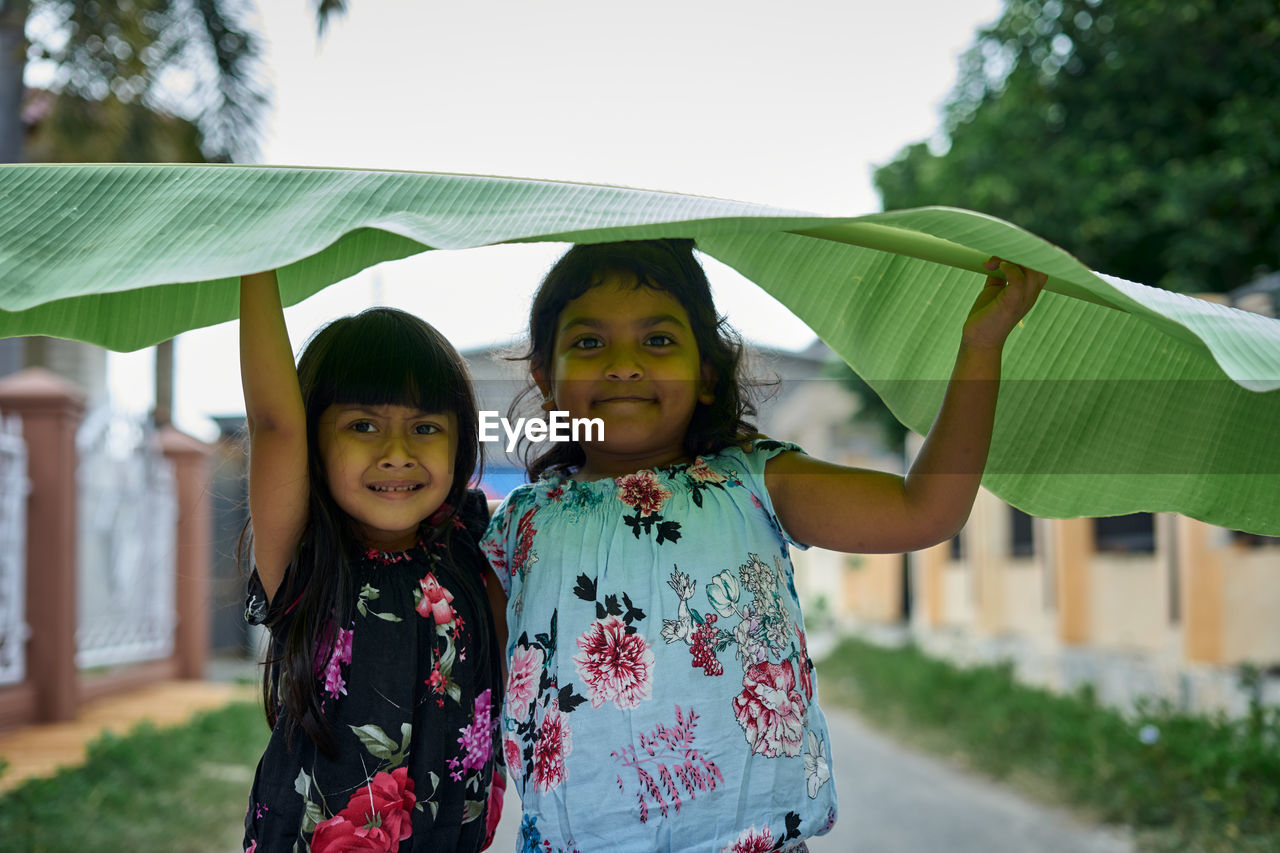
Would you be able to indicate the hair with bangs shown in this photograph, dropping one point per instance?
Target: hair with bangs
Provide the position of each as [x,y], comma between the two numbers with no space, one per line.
[669,266]
[379,357]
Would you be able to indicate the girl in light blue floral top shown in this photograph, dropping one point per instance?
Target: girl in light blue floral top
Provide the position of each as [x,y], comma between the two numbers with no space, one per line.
[660,695]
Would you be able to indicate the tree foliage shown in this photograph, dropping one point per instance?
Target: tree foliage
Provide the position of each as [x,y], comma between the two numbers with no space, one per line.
[127,73]
[1141,135]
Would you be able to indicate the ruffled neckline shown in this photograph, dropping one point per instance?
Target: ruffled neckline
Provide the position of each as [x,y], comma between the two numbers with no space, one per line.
[552,479]
[380,557]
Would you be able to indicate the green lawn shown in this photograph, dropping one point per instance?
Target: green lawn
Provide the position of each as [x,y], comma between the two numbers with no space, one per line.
[177,790]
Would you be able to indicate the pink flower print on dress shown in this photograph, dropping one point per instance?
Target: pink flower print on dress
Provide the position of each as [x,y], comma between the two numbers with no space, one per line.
[555,742]
[522,680]
[435,601]
[770,710]
[642,491]
[617,666]
[334,684]
[477,738]
[751,841]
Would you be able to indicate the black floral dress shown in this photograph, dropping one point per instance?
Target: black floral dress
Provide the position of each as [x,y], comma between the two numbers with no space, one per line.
[412,704]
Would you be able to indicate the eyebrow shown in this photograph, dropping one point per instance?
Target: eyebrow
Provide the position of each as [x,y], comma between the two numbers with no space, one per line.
[643,322]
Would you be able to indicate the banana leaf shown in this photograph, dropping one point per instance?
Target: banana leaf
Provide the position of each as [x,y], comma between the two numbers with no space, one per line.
[1117,397]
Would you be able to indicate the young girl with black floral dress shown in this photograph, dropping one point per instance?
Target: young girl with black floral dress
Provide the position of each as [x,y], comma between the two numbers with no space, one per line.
[383,683]
[660,695]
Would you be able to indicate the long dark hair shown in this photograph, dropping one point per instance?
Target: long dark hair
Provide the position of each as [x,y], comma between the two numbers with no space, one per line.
[379,357]
[669,266]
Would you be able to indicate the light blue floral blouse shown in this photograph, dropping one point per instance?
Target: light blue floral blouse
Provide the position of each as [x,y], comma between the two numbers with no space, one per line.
[660,695]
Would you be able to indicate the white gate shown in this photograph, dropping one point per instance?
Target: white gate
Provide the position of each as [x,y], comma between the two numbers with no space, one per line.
[126,554]
[14,487]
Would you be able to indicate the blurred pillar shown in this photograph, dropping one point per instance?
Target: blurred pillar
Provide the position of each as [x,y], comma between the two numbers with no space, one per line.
[1203,603]
[1072,547]
[190,458]
[51,409]
[929,566]
[162,414]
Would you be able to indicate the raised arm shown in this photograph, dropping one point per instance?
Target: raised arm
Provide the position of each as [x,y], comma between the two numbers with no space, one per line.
[278,483]
[860,511]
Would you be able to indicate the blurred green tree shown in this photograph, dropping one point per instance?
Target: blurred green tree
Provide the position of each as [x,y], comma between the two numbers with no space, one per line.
[129,80]
[1141,135]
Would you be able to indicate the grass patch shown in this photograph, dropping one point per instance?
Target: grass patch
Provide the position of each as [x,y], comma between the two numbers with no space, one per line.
[175,790]
[1185,782]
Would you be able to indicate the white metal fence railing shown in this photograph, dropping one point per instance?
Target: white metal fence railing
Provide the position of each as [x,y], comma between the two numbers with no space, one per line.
[14,487]
[127,517]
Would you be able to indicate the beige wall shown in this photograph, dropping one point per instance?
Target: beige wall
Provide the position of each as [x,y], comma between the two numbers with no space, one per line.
[873,587]
[1200,598]
[1252,603]
[1128,602]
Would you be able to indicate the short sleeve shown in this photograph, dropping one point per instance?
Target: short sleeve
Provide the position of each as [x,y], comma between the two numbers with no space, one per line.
[258,609]
[496,544]
[750,465]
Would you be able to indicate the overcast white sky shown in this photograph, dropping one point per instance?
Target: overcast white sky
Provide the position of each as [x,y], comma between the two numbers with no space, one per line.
[789,104]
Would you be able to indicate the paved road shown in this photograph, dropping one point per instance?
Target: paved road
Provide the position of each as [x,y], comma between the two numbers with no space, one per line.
[895,800]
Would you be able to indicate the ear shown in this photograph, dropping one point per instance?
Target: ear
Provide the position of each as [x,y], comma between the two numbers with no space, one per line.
[707,385]
[543,382]
[540,378]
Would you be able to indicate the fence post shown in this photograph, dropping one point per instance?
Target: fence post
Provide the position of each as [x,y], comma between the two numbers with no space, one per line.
[51,408]
[190,458]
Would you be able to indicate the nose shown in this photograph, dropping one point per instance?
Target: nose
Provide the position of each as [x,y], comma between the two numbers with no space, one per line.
[395,454]
[625,367]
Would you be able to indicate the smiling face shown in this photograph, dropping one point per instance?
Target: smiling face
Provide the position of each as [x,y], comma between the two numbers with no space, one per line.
[627,355]
[387,467]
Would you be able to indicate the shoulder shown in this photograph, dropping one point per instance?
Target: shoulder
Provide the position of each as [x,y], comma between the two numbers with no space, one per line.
[752,456]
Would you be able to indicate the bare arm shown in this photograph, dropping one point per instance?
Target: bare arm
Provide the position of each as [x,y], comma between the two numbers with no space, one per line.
[855,510]
[498,605]
[278,483]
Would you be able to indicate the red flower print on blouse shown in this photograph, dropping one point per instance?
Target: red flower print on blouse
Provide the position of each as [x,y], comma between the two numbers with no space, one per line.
[701,472]
[377,817]
[524,543]
[806,674]
[515,761]
[642,491]
[522,680]
[435,601]
[771,710]
[617,666]
[555,742]
[751,841]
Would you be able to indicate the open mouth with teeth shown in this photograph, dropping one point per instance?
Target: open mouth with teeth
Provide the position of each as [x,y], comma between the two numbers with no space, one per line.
[391,488]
